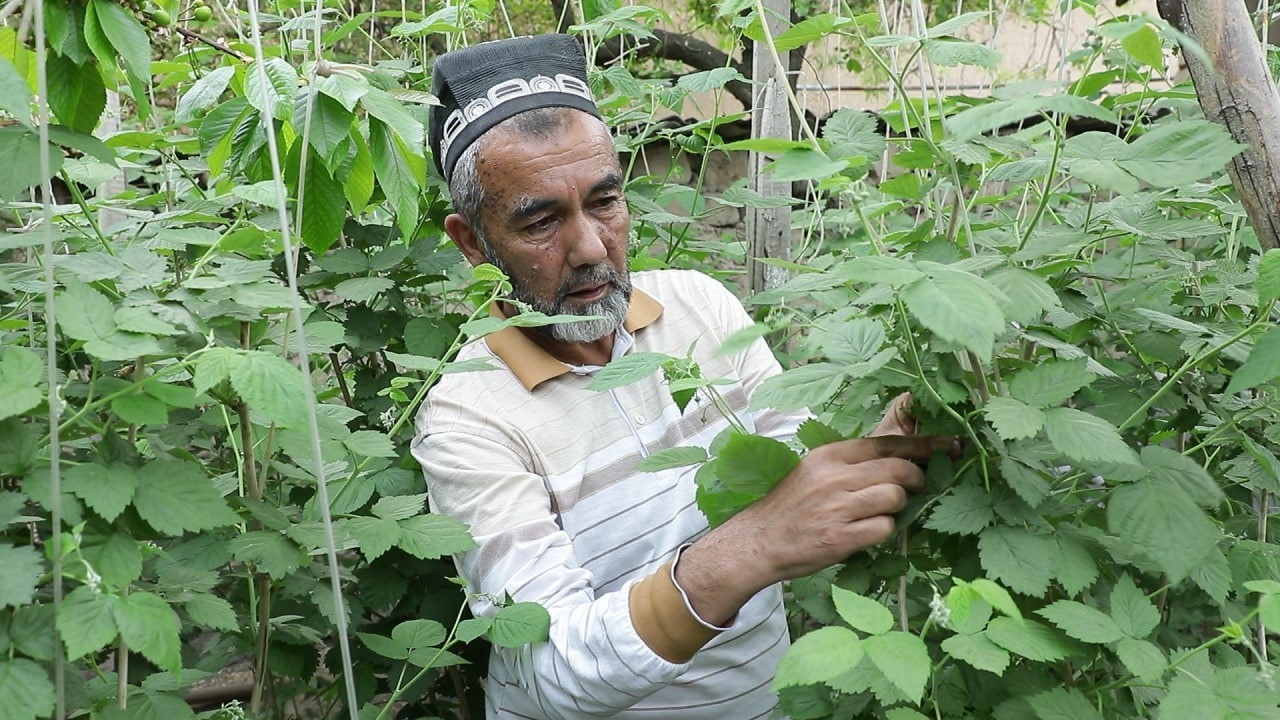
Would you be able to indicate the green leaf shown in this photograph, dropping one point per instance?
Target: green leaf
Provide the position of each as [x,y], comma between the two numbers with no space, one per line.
[370,443]
[1050,383]
[1262,366]
[1029,639]
[1013,420]
[174,497]
[77,95]
[753,464]
[1268,280]
[996,596]
[1170,466]
[628,369]
[20,373]
[357,180]
[400,169]
[270,86]
[390,111]
[953,53]
[809,385]
[85,313]
[118,560]
[1160,521]
[374,535]
[1142,658]
[15,99]
[1179,153]
[963,510]
[127,37]
[1075,567]
[520,624]
[814,434]
[415,634]
[324,206]
[1018,558]
[384,646]
[268,551]
[270,385]
[330,126]
[28,694]
[1063,704]
[1082,622]
[978,651]
[709,80]
[204,92]
[1029,484]
[957,307]
[432,536]
[1084,437]
[818,656]
[1132,610]
[150,627]
[1144,46]
[20,568]
[880,270]
[211,611]
[808,30]
[20,157]
[968,124]
[853,133]
[140,409]
[861,612]
[673,457]
[363,289]
[903,659]
[1029,295]
[472,628]
[85,621]
[804,164]
[212,367]
[399,507]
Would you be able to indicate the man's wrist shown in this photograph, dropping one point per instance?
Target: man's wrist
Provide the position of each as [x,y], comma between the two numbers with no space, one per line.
[684,595]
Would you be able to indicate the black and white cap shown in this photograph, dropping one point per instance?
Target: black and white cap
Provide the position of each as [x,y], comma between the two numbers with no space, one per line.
[482,85]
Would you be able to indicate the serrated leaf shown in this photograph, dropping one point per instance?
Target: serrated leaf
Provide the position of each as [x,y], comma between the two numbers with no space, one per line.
[957,307]
[520,624]
[1179,153]
[20,568]
[85,313]
[26,690]
[1029,484]
[804,164]
[20,373]
[472,628]
[211,611]
[1075,568]
[175,497]
[814,433]
[1262,365]
[1029,639]
[77,95]
[1132,610]
[1163,523]
[861,612]
[904,660]
[853,133]
[203,93]
[953,53]
[1013,420]
[1268,280]
[212,367]
[363,289]
[433,536]
[399,168]
[1018,558]
[1142,658]
[127,37]
[1143,45]
[1029,295]
[978,651]
[753,464]
[384,646]
[105,488]
[420,633]
[1050,383]
[15,98]
[140,409]
[818,656]
[20,153]
[1170,466]
[150,627]
[996,596]
[118,560]
[670,458]
[1063,704]
[628,369]
[374,535]
[1082,622]
[269,551]
[270,86]
[963,510]
[370,443]
[85,622]
[806,386]
[324,206]
[399,507]
[270,385]
[1084,437]
[709,80]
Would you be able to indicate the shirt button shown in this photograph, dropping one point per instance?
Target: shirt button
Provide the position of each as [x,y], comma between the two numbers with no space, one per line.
[639,419]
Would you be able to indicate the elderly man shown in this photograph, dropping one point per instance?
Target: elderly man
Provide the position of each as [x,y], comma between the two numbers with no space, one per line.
[652,614]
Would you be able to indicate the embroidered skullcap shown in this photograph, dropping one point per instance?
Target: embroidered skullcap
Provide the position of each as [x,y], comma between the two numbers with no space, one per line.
[482,85]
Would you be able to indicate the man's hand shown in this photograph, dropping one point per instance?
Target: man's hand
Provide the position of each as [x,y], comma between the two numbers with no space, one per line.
[898,419]
[840,499]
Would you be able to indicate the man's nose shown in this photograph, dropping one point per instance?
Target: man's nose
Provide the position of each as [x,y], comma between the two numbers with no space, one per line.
[590,242]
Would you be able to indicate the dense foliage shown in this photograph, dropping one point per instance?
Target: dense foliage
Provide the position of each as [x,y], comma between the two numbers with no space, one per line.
[238,338]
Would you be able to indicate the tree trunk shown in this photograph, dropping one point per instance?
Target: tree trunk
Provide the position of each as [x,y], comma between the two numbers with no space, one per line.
[768,229]
[1235,89]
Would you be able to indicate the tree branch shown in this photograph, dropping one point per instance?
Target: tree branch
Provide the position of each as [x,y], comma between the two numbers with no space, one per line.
[681,48]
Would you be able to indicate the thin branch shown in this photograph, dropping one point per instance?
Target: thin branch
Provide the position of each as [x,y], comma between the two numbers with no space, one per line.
[196,37]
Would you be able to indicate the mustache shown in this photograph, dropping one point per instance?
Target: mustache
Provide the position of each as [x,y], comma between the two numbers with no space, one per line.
[589,277]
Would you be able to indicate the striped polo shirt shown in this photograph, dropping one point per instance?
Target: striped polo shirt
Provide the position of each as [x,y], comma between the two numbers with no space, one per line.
[542,469]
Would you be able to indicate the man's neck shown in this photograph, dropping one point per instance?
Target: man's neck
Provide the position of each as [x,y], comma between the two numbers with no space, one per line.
[596,352]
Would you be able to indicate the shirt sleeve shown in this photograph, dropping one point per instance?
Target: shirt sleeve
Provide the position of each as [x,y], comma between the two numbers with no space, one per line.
[595,662]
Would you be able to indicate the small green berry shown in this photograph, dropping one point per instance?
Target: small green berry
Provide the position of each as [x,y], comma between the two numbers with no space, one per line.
[202,13]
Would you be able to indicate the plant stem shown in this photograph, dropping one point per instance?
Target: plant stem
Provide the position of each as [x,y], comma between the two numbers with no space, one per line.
[336,364]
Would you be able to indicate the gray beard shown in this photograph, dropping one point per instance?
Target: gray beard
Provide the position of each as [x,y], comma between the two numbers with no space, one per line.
[612,308]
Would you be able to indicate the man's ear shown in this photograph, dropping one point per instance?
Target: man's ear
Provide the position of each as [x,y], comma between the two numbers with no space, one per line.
[464,237]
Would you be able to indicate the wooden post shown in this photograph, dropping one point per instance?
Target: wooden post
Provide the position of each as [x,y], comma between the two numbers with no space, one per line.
[1235,89]
[768,229]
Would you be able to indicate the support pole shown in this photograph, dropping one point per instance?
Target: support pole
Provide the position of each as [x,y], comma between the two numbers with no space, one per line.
[768,229]
[1235,89]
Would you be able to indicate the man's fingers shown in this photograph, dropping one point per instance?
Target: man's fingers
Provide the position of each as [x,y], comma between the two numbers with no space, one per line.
[916,448]
[894,472]
[897,419]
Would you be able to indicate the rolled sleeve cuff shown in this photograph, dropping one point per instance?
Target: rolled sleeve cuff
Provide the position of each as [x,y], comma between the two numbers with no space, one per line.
[664,618]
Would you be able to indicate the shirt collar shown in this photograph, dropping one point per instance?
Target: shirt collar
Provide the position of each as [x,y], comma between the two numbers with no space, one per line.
[533,366]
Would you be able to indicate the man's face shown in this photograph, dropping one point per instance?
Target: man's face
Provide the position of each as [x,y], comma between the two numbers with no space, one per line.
[556,223]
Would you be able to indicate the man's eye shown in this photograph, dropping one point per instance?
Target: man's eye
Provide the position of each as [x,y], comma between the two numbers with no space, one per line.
[607,201]
[541,223]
